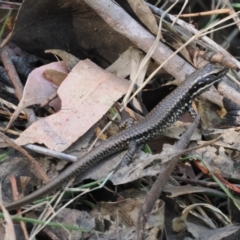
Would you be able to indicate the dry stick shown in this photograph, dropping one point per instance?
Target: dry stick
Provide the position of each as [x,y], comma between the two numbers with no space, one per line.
[231,61]
[15,193]
[12,73]
[193,30]
[206,13]
[15,198]
[123,23]
[11,143]
[157,187]
[226,91]
[236,19]
[200,182]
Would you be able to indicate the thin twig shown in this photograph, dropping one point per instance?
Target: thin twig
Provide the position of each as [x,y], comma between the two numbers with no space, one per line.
[18,87]
[157,187]
[11,143]
[15,195]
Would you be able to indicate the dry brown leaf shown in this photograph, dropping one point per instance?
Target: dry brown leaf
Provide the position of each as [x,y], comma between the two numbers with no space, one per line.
[54,76]
[199,231]
[178,128]
[126,212]
[9,226]
[72,217]
[178,223]
[122,67]
[230,139]
[37,88]
[145,15]
[218,161]
[70,60]
[86,95]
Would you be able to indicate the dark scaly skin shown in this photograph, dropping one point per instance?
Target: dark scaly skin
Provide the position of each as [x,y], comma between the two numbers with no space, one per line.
[161,117]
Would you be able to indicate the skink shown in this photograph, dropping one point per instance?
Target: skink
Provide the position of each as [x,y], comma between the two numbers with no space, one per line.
[161,117]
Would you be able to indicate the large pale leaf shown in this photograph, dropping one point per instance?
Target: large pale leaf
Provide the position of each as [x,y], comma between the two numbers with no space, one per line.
[86,95]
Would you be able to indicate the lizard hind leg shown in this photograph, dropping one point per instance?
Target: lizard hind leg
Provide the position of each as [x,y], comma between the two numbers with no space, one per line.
[191,111]
[127,159]
[127,123]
